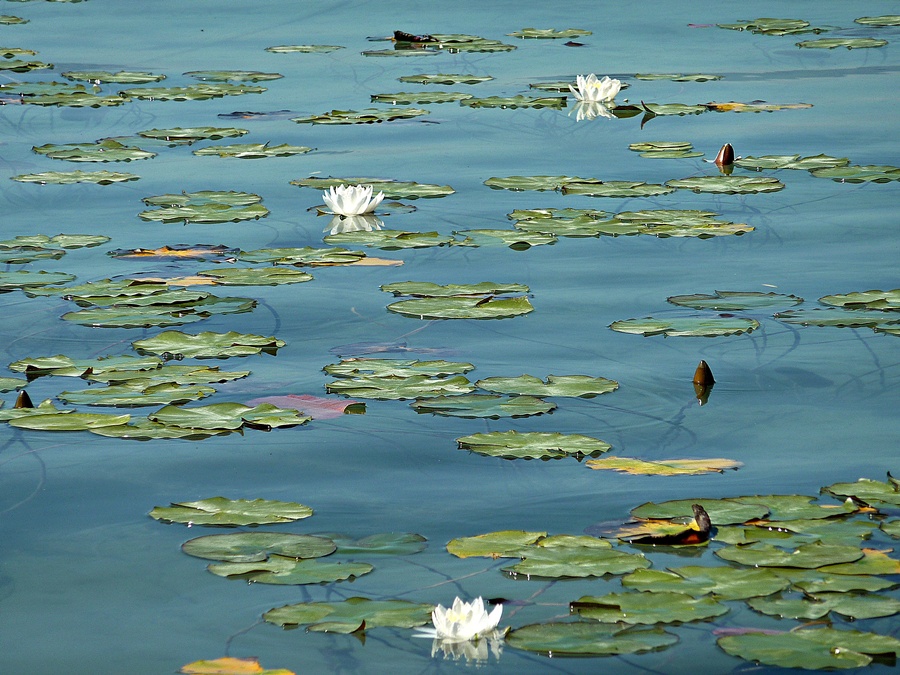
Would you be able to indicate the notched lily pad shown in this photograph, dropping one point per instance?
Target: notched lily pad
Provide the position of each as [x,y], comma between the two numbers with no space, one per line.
[284,571]
[389,240]
[583,386]
[687,327]
[21,279]
[728,301]
[258,546]
[106,150]
[253,150]
[583,638]
[195,92]
[728,184]
[255,276]
[368,367]
[220,511]
[68,421]
[207,345]
[228,415]
[616,188]
[807,556]
[772,26]
[677,77]
[647,607]
[849,43]
[389,543]
[726,583]
[69,177]
[879,21]
[483,405]
[533,445]
[137,393]
[351,615]
[367,116]
[852,606]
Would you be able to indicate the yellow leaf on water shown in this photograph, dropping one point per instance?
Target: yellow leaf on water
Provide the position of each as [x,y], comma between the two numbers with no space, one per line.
[229,665]
[377,262]
[664,467]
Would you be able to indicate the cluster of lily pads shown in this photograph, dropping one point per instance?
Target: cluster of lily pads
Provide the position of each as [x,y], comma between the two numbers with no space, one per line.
[781,27]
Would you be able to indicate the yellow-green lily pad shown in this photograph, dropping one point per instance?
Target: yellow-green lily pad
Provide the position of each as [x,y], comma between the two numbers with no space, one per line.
[849,43]
[743,185]
[255,276]
[368,367]
[808,556]
[583,386]
[882,300]
[194,92]
[420,97]
[871,173]
[841,318]
[207,345]
[462,308]
[228,415]
[518,101]
[502,544]
[791,162]
[550,33]
[137,393]
[106,150]
[701,326]
[647,607]
[483,405]
[366,116]
[772,26]
[587,638]
[729,301]
[285,571]
[351,615]
[120,77]
[191,134]
[258,546]
[399,388]
[442,78]
[232,75]
[66,421]
[220,511]
[253,150]
[70,177]
[389,240]
[616,188]
[885,20]
[575,562]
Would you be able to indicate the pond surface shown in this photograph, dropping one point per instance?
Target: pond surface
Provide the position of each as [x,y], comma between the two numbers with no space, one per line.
[89,583]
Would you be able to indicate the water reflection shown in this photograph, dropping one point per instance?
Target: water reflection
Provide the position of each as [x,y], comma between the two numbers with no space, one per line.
[366,222]
[588,110]
[472,651]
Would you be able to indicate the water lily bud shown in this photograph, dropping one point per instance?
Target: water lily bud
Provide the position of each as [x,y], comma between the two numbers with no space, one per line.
[23,400]
[703,375]
[725,156]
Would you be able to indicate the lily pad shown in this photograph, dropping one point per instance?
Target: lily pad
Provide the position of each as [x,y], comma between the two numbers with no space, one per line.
[12,384]
[219,511]
[882,300]
[70,177]
[366,116]
[583,638]
[793,507]
[66,421]
[120,77]
[726,583]
[811,649]
[420,97]
[754,106]
[462,308]
[145,430]
[305,256]
[743,185]
[664,467]
[729,301]
[771,26]
[647,607]
[192,134]
[365,367]
[791,162]
[255,276]
[286,571]
[819,605]
[677,77]
[142,316]
[808,556]
[849,43]
[721,511]
[868,491]
[533,182]
[392,189]
[390,543]
[195,92]
[427,289]
[106,150]
[886,20]
[519,101]
[483,405]
[303,49]
[701,326]
[502,544]
[207,345]
[257,546]
[872,562]
[8,20]
[616,188]
[206,213]
[399,388]
[228,416]
[533,445]
[65,366]
[583,386]
[859,174]
[193,374]
[351,615]
[575,562]
[515,239]
[550,33]
[253,150]
[446,79]
[232,75]
[137,393]
[841,318]
[389,240]
[662,109]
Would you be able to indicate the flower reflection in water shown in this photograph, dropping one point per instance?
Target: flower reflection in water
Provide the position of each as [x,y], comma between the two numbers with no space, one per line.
[365,223]
[588,110]
[473,652]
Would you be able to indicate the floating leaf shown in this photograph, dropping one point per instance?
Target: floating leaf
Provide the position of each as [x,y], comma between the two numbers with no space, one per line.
[769,26]
[664,467]
[680,109]
[308,256]
[556,385]
[227,416]
[69,177]
[616,188]
[392,189]
[45,408]
[677,77]
[754,106]
[809,556]
[533,182]
[231,512]
[582,638]
[519,101]
[729,301]
[399,388]
[549,33]
[232,75]
[145,430]
[575,562]
[303,49]
[882,300]
[8,20]
[502,544]
[207,213]
[218,253]
[462,308]
[192,134]
[168,373]
[420,97]
[721,511]
[726,583]
[352,614]
[367,116]
[687,327]
[859,174]
[318,408]
[515,239]
[106,150]
[124,316]
[533,445]
[442,78]
[229,665]
[872,562]
[849,43]
[68,367]
[396,368]
[792,507]
[66,421]
[257,546]
[137,393]
[819,605]
[120,77]
[817,581]
[255,276]
[791,162]
[647,607]
[426,289]
[253,150]
[483,405]
[890,527]
[852,318]
[195,92]
[728,184]
[12,384]
[390,543]
[207,345]
[281,570]
[867,491]
[389,240]
[886,20]
[811,649]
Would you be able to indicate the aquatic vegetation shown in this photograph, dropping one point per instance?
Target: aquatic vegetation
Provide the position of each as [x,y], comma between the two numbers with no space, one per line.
[593,89]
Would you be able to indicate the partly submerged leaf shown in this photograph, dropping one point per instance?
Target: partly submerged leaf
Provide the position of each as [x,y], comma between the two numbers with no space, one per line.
[68,177]
[389,543]
[399,388]
[231,512]
[356,367]
[859,174]
[533,445]
[192,134]
[852,318]
[229,665]
[227,415]
[882,300]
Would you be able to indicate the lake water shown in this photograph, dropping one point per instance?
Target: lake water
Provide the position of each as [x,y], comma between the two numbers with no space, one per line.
[89,583]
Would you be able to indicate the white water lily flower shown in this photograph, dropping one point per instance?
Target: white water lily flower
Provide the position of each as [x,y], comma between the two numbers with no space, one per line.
[592,89]
[463,621]
[351,200]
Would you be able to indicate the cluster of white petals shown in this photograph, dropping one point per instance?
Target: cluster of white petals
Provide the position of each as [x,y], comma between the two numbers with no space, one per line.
[351,200]
[591,89]
[588,110]
[464,621]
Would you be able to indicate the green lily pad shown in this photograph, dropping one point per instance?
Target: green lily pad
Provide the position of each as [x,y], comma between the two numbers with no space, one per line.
[286,571]
[106,150]
[389,240]
[399,388]
[220,511]
[392,189]
[207,345]
[753,106]
[68,367]
[168,299]
[145,430]
[11,52]
[791,162]
[253,150]
[194,92]
[367,116]
[102,288]
[794,507]
[483,405]
[255,276]
[533,182]
[192,134]
[420,97]
[872,561]
[665,467]
[770,26]
[203,198]
[583,638]
[616,188]
[367,367]
[427,289]
[45,408]
[819,605]
[21,66]
[841,318]
[825,529]
[583,386]
[817,581]
[21,257]
[232,75]
[389,543]
[721,511]
[206,213]
[442,78]
[867,491]
[228,416]
[519,101]
[68,421]
[886,20]
[462,308]
[882,300]
[550,33]
[701,326]
[303,49]
[575,562]
[120,77]
[889,527]
[515,239]
[726,583]
[677,77]
[743,185]
[849,43]
[533,445]
[811,649]
[12,384]
[502,544]
[193,374]
[679,109]
[257,546]
[70,177]
[351,615]
[647,607]
[859,174]
[808,556]
[305,256]
[135,393]
[729,301]
[8,20]
[124,316]
[78,240]
[660,146]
